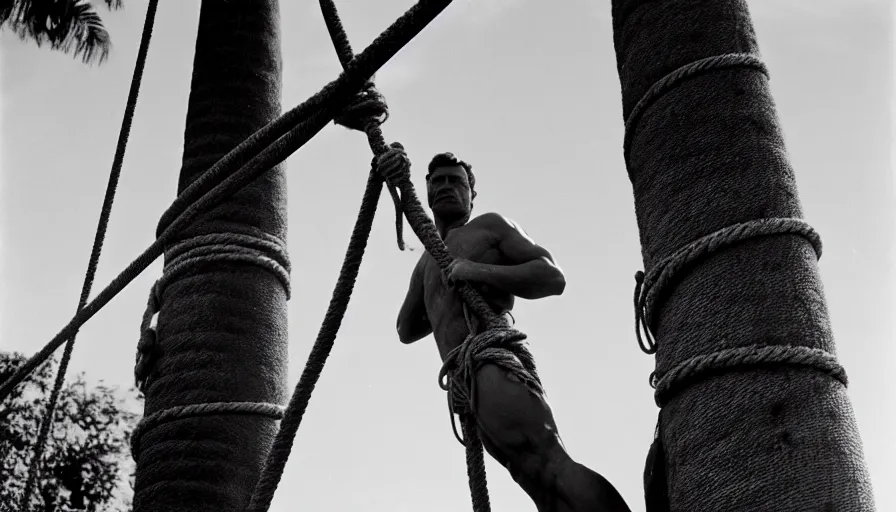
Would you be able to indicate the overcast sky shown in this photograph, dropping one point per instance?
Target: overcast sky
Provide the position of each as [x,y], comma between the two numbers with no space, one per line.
[525,90]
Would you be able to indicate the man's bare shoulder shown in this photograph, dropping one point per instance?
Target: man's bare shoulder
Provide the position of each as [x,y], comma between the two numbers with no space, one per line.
[490,219]
[494,222]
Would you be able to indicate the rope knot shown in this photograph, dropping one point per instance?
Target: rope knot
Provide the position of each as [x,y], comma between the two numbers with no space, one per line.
[394,165]
[366,110]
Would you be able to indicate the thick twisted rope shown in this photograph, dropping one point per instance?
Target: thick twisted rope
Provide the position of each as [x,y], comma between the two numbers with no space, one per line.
[693,369]
[250,159]
[96,251]
[686,72]
[499,344]
[502,347]
[254,247]
[649,287]
[366,111]
[274,411]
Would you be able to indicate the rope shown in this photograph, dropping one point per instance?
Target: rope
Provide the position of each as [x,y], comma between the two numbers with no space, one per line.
[284,136]
[755,355]
[648,287]
[367,112]
[254,247]
[501,347]
[95,252]
[668,82]
[476,477]
[504,347]
[498,344]
[207,409]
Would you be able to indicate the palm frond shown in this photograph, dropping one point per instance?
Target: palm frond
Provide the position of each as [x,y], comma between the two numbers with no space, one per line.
[70,26]
[7,7]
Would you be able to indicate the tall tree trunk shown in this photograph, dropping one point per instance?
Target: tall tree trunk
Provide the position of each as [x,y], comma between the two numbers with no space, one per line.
[221,329]
[707,154]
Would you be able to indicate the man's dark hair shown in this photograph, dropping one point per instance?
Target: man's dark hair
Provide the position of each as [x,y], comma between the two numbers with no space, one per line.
[449,160]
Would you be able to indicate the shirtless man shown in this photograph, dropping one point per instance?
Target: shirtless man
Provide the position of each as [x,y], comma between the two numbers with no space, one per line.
[496,257]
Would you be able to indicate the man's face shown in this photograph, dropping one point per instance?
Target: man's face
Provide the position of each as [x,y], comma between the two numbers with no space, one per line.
[448,192]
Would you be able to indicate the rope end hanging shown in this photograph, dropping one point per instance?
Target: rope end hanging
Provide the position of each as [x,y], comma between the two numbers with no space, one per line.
[147,347]
[647,342]
[394,167]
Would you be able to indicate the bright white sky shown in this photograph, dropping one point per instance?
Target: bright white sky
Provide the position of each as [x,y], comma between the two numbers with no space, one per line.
[527,91]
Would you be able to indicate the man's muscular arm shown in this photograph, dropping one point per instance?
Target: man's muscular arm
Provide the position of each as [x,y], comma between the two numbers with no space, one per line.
[413,323]
[530,272]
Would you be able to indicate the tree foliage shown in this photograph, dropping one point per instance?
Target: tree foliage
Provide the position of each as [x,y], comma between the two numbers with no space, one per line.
[86,464]
[69,26]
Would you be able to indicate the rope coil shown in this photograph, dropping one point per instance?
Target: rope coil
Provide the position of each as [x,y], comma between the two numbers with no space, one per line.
[505,348]
[254,247]
[648,287]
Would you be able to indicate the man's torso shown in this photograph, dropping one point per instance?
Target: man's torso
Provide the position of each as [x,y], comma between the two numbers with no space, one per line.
[476,241]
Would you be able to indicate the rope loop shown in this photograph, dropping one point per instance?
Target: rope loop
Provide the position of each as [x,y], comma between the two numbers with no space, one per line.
[649,286]
[647,343]
[393,166]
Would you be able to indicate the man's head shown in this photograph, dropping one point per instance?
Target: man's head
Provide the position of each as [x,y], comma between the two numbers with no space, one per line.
[450,187]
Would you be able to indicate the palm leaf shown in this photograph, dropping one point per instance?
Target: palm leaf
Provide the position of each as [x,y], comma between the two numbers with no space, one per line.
[70,26]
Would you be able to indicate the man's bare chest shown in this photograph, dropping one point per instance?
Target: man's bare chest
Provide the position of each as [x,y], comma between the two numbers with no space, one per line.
[469,242]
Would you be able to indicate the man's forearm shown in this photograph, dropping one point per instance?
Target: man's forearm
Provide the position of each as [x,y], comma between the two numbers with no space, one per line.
[531,280]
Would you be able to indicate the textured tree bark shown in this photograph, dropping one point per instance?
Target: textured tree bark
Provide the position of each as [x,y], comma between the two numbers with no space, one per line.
[708,154]
[221,330]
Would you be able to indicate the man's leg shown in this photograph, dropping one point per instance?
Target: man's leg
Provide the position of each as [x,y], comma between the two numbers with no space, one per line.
[518,430]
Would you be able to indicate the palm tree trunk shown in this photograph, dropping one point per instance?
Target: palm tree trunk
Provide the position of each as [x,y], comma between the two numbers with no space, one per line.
[709,153]
[221,330]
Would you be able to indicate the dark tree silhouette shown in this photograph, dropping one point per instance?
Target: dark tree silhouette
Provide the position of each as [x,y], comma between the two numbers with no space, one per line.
[69,26]
[86,462]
